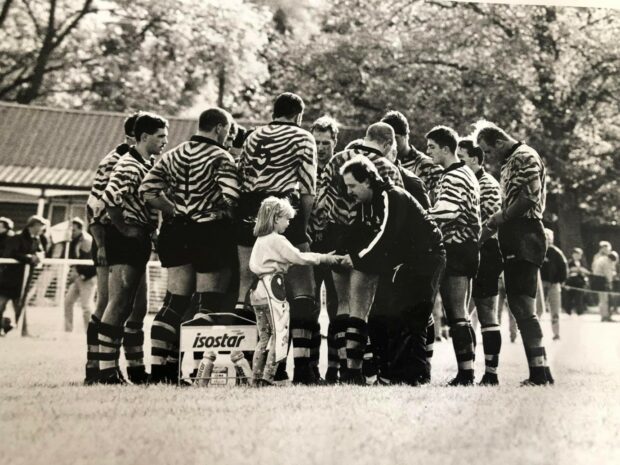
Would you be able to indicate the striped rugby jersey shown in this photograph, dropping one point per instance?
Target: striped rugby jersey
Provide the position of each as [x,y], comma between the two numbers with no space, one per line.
[123,190]
[279,157]
[95,207]
[490,196]
[457,205]
[522,167]
[333,204]
[423,167]
[198,176]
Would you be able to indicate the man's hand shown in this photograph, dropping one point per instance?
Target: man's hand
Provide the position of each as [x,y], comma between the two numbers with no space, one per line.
[346,262]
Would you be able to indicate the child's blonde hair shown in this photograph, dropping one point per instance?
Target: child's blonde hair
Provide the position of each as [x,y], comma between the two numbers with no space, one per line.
[270,210]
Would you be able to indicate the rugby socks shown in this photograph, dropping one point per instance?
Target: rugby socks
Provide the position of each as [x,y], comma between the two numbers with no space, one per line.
[532,336]
[369,364]
[315,348]
[133,345]
[333,362]
[211,302]
[356,339]
[109,350]
[92,350]
[340,324]
[165,336]
[430,346]
[491,343]
[302,327]
[463,343]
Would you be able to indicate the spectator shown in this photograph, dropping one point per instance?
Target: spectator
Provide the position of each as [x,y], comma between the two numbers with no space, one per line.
[603,270]
[554,272]
[578,278]
[6,231]
[26,248]
[82,277]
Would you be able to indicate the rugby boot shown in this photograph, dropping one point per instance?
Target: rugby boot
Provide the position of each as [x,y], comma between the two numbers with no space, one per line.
[463,379]
[489,379]
[137,375]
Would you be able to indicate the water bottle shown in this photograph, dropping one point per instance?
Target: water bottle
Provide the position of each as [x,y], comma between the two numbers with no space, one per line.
[242,367]
[205,368]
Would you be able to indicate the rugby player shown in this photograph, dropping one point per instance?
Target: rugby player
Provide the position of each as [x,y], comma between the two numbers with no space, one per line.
[279,159]
[98,222]
[403,240]
[485,289]
[128,239]
[195,187]
[457,211]
[325,133]
[521,236]
[335,213]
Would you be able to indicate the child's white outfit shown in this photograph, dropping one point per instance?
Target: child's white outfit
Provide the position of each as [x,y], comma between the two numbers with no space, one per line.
[271,258]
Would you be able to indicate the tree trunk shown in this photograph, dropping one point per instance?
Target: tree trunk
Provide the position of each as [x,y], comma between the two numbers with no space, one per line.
[31,92]
[221,86]
[569,222]
[6,5]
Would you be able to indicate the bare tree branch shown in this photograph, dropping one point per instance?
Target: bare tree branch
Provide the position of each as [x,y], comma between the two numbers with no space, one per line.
[4,12]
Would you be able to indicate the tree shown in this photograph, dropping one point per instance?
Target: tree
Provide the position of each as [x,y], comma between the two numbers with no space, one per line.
[547,75]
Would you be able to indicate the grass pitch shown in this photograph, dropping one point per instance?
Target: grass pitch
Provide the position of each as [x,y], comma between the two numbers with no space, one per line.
[48,417]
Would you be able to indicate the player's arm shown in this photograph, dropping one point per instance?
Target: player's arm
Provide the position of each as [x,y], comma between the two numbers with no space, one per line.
[122,181]
[154,185]
[227,179]
[307,179]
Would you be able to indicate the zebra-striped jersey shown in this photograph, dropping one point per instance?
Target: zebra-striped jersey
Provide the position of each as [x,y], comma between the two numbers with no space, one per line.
[279,157]
[123,190]
[423,167]
[334,204]
[198,176]
[490,196]
[95,208]
[520,170]
[457,205]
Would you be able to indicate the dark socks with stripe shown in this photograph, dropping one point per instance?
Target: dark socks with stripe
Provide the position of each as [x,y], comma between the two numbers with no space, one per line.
[165,337]
[430,346]
[532,336]
[492,343]
[331,376]
[92,350]
[463,343]
[302,327]
[340,324]
[356,339]
[315,348]
[109,349]
[133,345]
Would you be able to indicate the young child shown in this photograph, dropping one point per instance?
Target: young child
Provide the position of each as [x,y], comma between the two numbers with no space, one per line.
[271,257]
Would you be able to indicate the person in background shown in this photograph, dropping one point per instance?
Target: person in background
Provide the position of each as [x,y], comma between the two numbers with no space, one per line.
[6,231]
[26,248]
[553,272]
[603,270]
[577,277]
[83,282]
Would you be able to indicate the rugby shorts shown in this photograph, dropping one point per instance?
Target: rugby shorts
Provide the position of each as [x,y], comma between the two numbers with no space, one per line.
[523,239]
[208,246]
[462,259]
[123,250]
[521,278]
[486,282]
[248,205]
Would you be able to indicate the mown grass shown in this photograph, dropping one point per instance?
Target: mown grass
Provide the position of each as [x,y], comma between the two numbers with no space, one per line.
[47,416]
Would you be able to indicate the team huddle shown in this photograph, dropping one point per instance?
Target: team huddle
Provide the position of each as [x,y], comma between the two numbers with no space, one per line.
[382,226]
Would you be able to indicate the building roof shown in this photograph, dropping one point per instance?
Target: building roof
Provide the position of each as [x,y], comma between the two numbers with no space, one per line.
[54,148]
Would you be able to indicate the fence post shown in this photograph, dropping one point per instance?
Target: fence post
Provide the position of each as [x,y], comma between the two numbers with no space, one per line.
[23,301]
